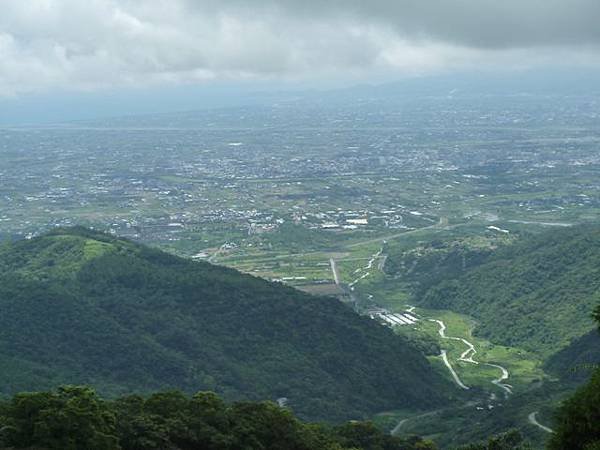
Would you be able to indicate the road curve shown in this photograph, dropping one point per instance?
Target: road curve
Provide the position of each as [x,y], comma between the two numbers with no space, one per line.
[399,425]
[507,388]
[533,420]
[396,429]
[464,355]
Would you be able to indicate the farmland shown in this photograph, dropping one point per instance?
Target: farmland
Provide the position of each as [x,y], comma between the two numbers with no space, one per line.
[371,201]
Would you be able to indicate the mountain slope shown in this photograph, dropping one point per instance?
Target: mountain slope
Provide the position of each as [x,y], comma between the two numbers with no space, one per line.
[83,307]
[537,294]
[576,361]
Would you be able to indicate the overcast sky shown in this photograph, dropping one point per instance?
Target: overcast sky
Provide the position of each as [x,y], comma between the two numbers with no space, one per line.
[97,44]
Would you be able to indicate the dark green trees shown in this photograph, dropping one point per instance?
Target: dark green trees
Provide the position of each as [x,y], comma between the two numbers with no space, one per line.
[578,420]
[71,418]
[511,440]
[74,418]
[536,294]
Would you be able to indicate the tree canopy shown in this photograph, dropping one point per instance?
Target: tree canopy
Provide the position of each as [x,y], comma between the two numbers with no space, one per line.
[577,424]
[75,418]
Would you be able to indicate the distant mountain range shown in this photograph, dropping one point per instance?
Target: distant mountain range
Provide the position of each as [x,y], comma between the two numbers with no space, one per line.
[180,104]
[82,307]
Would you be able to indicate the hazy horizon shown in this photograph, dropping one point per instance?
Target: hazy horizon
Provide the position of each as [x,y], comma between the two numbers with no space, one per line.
[64,60]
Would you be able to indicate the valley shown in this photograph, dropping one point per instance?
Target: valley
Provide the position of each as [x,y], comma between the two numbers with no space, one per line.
[492,380]
[496,382]
[472,241]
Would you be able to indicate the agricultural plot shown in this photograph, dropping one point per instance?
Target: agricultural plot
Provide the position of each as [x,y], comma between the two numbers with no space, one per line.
[477,361]
[300,269]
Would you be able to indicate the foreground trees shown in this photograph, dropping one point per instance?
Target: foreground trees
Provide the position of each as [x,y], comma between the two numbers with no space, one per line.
[511,440]
[74,418]
[71,418]
[578,420]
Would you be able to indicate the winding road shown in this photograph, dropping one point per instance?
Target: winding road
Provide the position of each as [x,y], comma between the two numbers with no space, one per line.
[507,388]
[467,356]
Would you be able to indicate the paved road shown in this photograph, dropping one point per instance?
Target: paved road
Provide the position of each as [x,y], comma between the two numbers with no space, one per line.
[499,381]
[335,270]
[444,355]
[467,356]
[533,420]
[457,380]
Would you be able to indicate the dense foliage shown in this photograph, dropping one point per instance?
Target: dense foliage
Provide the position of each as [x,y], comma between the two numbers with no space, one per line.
[75,418]
[578,419]
[427,263]
[511,440]
[576,361]
[80,307]
[537,294]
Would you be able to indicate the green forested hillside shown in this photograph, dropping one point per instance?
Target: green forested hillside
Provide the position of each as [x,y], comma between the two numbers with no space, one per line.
[75,418]
[577,422]
[576,361]
[537,294]
[86,308]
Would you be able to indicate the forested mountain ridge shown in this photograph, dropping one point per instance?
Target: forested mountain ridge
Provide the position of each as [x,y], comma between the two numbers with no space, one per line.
[87,308]
[537,294]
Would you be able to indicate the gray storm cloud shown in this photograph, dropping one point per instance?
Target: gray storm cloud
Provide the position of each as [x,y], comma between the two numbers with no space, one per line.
[472,23]
[74,44]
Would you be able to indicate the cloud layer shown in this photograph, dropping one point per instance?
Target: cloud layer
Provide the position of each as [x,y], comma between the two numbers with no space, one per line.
[74,44]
